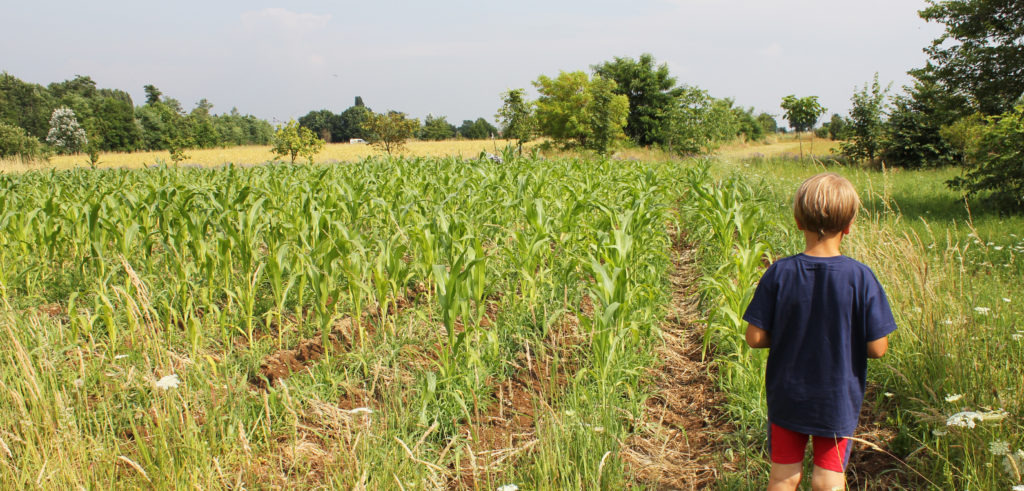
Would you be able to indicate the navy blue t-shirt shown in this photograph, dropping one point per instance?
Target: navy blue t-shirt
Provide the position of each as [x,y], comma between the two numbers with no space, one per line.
[820,313]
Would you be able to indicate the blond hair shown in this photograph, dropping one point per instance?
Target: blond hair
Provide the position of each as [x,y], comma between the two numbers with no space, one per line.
[826,204]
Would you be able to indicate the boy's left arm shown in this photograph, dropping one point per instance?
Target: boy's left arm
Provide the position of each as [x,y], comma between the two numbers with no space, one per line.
[757,337]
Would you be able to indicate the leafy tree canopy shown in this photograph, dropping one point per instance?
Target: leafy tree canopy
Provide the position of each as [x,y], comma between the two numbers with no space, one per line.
[802,113]
[650,90]
[980,56]
[516,116]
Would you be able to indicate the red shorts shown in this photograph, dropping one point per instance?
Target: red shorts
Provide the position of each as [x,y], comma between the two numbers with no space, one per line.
[787,447]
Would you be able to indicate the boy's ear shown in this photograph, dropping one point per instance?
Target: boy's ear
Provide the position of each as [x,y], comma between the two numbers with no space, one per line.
[799,226]
[846,229]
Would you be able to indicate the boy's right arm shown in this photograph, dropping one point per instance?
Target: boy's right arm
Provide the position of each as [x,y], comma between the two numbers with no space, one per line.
[757,337]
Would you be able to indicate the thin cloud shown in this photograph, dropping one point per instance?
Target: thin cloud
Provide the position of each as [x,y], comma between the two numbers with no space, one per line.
[283,19]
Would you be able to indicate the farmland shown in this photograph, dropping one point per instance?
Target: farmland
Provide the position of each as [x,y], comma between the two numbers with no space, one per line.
[421,323]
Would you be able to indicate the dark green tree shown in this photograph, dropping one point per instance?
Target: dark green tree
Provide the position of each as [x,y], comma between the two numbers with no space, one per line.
[768,123]
[980,55]
[152,94]
[323,123]
[477,130]
[25,105]
[436,128]
[838,128]
[650,90]
[352,122]
[994,167]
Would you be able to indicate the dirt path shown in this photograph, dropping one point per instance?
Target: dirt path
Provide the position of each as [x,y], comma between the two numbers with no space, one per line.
[679,445]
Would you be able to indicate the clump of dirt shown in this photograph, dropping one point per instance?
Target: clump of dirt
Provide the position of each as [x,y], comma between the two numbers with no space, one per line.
[679,444]
[281,364]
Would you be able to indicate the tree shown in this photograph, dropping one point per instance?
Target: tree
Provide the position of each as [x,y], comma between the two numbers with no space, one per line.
[14,142]
[436,128]
[608,115]
[980,55]
[568,112]
[65,134]
[697,122]
[516,116]
[802,114]
[994,160]
[294,141]
[867,115]
[838,128]
[768,123]
[152,94]
[352,120]
[477,130]
[323,123]
[390,131]
[650,91]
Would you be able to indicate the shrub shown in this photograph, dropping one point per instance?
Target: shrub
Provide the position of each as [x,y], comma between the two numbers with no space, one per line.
[294,141]
[14,142]
[995,152]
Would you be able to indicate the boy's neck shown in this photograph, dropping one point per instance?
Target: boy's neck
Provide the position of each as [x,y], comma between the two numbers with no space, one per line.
[826,246]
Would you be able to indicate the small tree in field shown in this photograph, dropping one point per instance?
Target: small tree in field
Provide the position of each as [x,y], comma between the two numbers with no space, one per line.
[516,116]
[65,134]
[802,113]
[294,141]
[390,131]
[866,122]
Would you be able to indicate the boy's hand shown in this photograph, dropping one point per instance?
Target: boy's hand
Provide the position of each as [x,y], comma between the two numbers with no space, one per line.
[757,337]
[878,347]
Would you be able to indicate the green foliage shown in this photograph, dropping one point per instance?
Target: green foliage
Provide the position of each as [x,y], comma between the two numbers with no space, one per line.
[477,130]
[866,122]
[802,113]
[979,55]
[325,124]
[15,143]
[748,125]
[964,136]
[25,105]
[768,123]
[390,131]
[516,117]
[698,123]
[838,128]
[651,92]
[295,141]
[573,110]
[352,120]
[913,138]
[152,94]
[436,129]
[994,166]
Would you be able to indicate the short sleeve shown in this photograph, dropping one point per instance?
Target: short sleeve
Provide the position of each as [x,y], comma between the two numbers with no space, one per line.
[761,311]
[878,318]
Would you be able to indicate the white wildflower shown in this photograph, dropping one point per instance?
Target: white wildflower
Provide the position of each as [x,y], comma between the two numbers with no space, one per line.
[917,309]
[990,243]
[939,432]
[888,394]
[953,397]
[1017,337]
[570,412]
[948,322]
[599,429]
[1007,300]
[120,357]
[963,419]
[982,310]
[360,410]
[79,383]
[998,248]
[168,382]
[1019,487]
[999,447]
[508,487]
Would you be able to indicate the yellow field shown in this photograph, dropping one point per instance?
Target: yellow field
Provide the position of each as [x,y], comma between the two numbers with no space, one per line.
[257,154]
[345,152]
[780,145]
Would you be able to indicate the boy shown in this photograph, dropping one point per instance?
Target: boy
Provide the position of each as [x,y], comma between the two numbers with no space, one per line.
[822,315]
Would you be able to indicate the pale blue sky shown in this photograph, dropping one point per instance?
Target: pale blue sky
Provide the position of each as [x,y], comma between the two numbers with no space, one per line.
[455,57]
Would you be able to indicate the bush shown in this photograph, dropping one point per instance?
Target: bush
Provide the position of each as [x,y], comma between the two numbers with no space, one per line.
[14,142]
[994,154]
[294,141]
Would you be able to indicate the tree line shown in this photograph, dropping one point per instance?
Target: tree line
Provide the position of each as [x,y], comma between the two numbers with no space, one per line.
[76,116]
